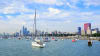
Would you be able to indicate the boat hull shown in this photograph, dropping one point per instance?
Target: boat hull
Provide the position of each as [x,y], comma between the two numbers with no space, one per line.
[73,40]
[35,44]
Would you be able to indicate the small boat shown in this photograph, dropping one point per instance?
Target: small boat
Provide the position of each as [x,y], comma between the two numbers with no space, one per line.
[89,43]
[19,38]
[73,40]
[53,38]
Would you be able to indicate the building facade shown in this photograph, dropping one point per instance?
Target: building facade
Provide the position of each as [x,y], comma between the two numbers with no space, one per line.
[95,30]
[89,32]
[25,32]
[87,27]
[79,31]
[83,32]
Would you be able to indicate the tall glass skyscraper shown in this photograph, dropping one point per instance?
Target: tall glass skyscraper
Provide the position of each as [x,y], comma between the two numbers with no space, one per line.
[79,30]
[25,31]
[87,26]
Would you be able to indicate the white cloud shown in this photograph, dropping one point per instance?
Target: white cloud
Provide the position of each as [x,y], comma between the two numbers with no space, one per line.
[87,3]
[54,11]
[15,7]
[72,3]
[51,12]
[48,2]
[68,4]
[91,2]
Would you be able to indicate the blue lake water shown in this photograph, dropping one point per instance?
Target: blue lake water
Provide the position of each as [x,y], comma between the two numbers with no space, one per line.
[15,47]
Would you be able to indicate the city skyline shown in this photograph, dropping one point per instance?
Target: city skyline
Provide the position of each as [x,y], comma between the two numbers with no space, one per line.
[62,15]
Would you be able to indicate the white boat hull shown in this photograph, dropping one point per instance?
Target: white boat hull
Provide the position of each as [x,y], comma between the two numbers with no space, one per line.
[35,44]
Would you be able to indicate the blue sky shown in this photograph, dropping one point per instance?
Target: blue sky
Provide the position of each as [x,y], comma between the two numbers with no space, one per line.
[61,15]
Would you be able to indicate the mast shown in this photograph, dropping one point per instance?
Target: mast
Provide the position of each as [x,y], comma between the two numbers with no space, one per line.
[35,23]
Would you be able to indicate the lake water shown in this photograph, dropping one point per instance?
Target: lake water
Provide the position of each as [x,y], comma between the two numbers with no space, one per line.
[15,47]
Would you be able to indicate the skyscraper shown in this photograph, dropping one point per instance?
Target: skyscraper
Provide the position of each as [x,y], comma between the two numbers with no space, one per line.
[86,27]
[95,30]
[83,32]
[79,30]
[88,32]
[25,32]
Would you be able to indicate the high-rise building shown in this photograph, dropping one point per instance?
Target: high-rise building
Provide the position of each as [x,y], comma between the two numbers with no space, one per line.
[79,30]
[25,32]
[16,34]
[89,32]
[95,30]
[83,32]
[86,27]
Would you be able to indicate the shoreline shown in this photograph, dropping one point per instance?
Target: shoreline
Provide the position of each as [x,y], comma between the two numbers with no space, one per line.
[80,38]
[64,37]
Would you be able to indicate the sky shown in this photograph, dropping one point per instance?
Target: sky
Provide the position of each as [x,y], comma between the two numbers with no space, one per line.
[61,15]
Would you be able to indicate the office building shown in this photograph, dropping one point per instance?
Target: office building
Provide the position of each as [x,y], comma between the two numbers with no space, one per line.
[87,26]
[79,30]
[96,30]
[25,32]
[82,32]
[89,31]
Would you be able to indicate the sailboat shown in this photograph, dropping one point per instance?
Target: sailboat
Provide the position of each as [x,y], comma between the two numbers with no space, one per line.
[37,42]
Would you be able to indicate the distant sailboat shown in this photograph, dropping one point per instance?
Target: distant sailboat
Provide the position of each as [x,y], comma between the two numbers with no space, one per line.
[37,42]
